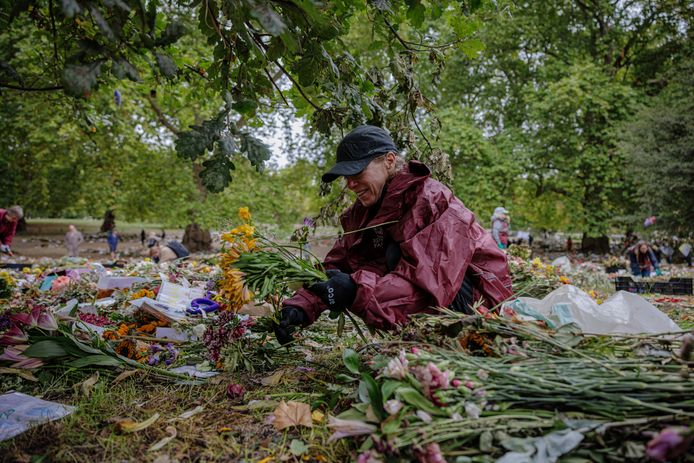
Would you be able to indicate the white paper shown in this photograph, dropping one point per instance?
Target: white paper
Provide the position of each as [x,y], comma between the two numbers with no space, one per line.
[110,282]
[19,412]
[178,296]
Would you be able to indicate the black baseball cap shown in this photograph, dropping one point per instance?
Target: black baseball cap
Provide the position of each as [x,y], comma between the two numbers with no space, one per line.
[357,149]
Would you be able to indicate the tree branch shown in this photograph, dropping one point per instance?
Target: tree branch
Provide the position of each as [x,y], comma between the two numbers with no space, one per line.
[161,116]
[31,89]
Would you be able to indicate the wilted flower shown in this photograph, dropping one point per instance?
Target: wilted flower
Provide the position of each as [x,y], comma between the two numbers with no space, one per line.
[432,378]
[670,443]
[472,410]
[14,353]
[37,317]
[346,428]
[456,383]
[369,457]
[13,336]
[235,391]
[482,374]
[431,454]
[424,416]
[397,367]
[392,406]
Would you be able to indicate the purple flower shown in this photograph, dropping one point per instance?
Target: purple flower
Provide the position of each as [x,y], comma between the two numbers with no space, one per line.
[13,336]
[670,443]
[117,97]
[309,222]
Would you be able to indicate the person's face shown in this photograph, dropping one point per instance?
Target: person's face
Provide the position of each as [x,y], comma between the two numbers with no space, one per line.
[368,184]
[643,249]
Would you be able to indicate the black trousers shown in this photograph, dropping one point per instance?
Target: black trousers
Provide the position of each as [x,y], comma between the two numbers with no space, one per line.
[463,300]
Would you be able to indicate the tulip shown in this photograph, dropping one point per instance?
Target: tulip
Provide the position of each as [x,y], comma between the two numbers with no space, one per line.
[13,336]
[346,428]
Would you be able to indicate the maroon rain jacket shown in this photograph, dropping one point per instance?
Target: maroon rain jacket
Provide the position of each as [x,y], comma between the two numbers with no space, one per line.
[439,240]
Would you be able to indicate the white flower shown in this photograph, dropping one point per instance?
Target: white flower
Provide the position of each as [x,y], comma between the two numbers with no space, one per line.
[392,406]
[482,374]
[424,416]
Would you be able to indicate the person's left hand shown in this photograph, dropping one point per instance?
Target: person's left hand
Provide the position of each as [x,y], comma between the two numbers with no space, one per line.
[338,292]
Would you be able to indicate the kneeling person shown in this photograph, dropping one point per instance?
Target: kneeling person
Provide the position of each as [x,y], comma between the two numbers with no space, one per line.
[409,245]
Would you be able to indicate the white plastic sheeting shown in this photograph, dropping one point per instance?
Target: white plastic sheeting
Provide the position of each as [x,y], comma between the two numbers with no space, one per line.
[622,313]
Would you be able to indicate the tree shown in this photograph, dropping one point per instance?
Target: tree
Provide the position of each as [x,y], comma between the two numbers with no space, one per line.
[257,52]
[659,144]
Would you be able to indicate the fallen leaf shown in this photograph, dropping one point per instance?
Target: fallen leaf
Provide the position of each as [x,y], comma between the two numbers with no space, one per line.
[292,413]
[187,414]
[128,425]
[159,445]
[125,375]
[88,384]
[26,374]
[298,447]
[317,416]
[274,379]
[265,460]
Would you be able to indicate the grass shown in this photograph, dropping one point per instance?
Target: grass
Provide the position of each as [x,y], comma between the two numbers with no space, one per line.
[226,429]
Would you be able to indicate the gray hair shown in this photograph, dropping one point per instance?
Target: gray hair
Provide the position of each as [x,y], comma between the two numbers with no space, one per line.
[16,211]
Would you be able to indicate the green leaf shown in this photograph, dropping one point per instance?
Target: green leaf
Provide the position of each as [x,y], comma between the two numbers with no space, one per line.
[80,79]
[351,360]
[256,151]
[268,18]
[375,397]
[472,47]
[71,8]
[101,23]
[45,350]
[122,68]
[389,387]
[245,106]
[340,324]
[166,65]
[413,397]
[227,145]
[415,13]
[298,447]
[99,359]
[174,31]
[216,175]
[193,143]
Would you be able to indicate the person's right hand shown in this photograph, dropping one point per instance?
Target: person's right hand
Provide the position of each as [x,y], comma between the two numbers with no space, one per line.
[290,318]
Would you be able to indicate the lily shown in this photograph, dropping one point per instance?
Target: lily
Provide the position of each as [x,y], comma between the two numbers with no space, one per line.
[347,428]
[13,336]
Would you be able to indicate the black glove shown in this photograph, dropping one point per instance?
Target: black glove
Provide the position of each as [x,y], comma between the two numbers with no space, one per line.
[290,317]
[338,292]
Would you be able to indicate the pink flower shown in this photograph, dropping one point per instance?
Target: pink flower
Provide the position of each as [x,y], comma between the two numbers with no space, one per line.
[469,384]
[60,284]
[415,351]
[37,317]
[346,428]
[432,378]
[397,367]
[670,443]
[456,383]
[28,363]
[13,336]
[235,391]
[368,457]
[431,454]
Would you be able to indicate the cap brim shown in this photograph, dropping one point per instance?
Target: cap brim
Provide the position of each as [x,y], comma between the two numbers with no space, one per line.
[346,168]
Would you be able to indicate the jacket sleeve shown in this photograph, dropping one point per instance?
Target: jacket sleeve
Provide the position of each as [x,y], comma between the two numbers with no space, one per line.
[430,272]
[304,299]
[496,226]
[6,238]
[654,259]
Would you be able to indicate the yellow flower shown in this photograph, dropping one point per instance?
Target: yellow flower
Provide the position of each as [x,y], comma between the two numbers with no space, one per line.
[565,280]
[536,262]
[244,214]
[243,230]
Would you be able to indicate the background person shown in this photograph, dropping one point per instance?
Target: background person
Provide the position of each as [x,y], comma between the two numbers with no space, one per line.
[8,227]
[112,238]
[500,226]
[172,250]
[73,239]
[643,260]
